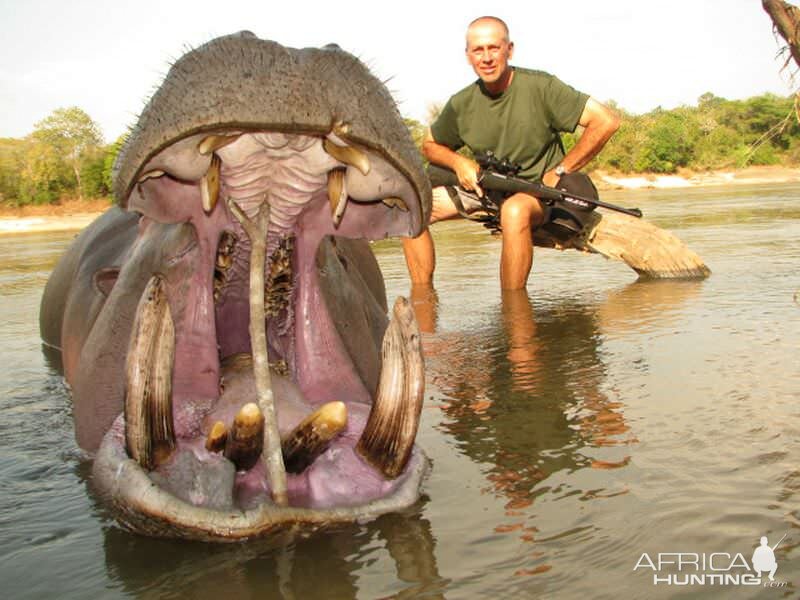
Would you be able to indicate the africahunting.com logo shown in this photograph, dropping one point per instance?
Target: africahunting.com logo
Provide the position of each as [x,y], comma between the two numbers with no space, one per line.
[716,568]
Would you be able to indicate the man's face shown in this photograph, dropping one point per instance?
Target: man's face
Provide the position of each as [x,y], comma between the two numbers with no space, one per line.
[488,51]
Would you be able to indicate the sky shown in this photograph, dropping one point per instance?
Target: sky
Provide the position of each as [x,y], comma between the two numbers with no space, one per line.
[108,57]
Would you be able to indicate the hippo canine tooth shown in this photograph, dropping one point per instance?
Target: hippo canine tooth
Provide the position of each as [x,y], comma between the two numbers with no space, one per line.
[245,442]
[348,155]
[312,436]
[149,429]
[209,185]
[388,438]
[151,175]
[212,143]
[337,194]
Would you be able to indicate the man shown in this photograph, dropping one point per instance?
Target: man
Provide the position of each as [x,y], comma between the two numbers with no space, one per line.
[517,114]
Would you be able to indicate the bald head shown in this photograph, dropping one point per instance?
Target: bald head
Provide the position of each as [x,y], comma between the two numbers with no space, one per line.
[495,23]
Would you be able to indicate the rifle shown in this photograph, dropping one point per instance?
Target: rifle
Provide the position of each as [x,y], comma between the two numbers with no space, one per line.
[492,180]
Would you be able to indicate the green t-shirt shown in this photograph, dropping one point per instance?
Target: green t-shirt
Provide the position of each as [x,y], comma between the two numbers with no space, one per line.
[522,124]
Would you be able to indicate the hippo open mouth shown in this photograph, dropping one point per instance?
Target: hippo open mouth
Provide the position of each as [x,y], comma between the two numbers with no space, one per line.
[241,317]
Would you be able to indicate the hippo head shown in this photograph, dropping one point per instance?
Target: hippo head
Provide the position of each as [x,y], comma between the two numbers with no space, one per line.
[241,374]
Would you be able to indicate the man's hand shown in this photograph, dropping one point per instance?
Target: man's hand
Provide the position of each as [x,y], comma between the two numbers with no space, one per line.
[465,169]
[550,178]
[467,172]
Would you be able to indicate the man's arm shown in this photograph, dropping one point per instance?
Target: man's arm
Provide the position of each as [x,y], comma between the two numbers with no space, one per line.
[599,124]
[465,169]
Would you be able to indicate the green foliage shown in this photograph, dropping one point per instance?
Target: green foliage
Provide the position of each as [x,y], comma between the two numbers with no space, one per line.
[44,175]
[64,156]
[10,167]
[717,133]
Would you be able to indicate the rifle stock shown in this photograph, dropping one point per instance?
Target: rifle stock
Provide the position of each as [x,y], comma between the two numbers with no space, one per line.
[491,180]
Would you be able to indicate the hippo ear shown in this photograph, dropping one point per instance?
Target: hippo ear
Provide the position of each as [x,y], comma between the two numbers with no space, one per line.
[104,280]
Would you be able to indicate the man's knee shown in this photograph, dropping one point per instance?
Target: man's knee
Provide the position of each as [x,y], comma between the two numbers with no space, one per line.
[442,207]
[521,211]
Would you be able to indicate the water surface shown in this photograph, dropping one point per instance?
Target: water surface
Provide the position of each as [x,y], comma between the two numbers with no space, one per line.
[572,428]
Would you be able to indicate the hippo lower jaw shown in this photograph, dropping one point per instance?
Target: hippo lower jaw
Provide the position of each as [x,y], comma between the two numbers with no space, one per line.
[286,192]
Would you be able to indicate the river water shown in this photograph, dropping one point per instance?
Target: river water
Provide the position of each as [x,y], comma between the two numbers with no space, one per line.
[579,432]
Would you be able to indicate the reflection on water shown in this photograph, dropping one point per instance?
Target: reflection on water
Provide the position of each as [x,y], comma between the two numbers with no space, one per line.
[282,566]
[530,395]
[571,427]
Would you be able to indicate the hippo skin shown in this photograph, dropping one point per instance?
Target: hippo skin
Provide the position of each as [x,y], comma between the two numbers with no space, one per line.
[243,127]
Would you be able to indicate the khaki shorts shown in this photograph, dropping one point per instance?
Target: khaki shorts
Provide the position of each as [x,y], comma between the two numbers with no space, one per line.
[469,201]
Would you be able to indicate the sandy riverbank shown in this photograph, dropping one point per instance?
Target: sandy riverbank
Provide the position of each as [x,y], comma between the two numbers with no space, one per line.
[686,179]
[71,215]
[74,215]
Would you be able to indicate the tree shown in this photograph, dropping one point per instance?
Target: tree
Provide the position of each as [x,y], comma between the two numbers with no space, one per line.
[71,133]
[44,175]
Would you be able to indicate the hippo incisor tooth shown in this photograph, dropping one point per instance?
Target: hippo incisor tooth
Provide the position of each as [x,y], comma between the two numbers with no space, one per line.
[209,185]
[388,437]
[215,441]
[337,194]
[348,155]
[256,229]
[212,143]
[246,438]
[149,432]
[311,437]
[399,203]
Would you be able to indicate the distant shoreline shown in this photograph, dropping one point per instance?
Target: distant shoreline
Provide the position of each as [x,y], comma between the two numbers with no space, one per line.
[687,179]
[74,215]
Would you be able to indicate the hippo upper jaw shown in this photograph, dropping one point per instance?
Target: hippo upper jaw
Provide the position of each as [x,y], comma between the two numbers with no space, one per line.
[246,210]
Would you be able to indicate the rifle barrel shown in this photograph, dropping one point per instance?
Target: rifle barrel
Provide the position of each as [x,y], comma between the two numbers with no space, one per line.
[495,181]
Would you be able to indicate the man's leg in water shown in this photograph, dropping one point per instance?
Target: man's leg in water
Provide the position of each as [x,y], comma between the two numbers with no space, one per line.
[420,252]
[518,215]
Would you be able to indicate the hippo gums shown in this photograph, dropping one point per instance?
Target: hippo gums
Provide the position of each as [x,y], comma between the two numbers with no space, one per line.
[224,328]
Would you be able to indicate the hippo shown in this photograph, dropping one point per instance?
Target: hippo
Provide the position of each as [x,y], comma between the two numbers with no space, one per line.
[224,330]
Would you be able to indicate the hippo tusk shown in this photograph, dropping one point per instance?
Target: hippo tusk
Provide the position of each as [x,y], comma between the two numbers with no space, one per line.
[398,203]
[154,174]
[212,143]
[257,230]
[245,442]
[388,437]
[348,155]
[311,437]
[217,437]
[209,185]
[149,430]
[337,194]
